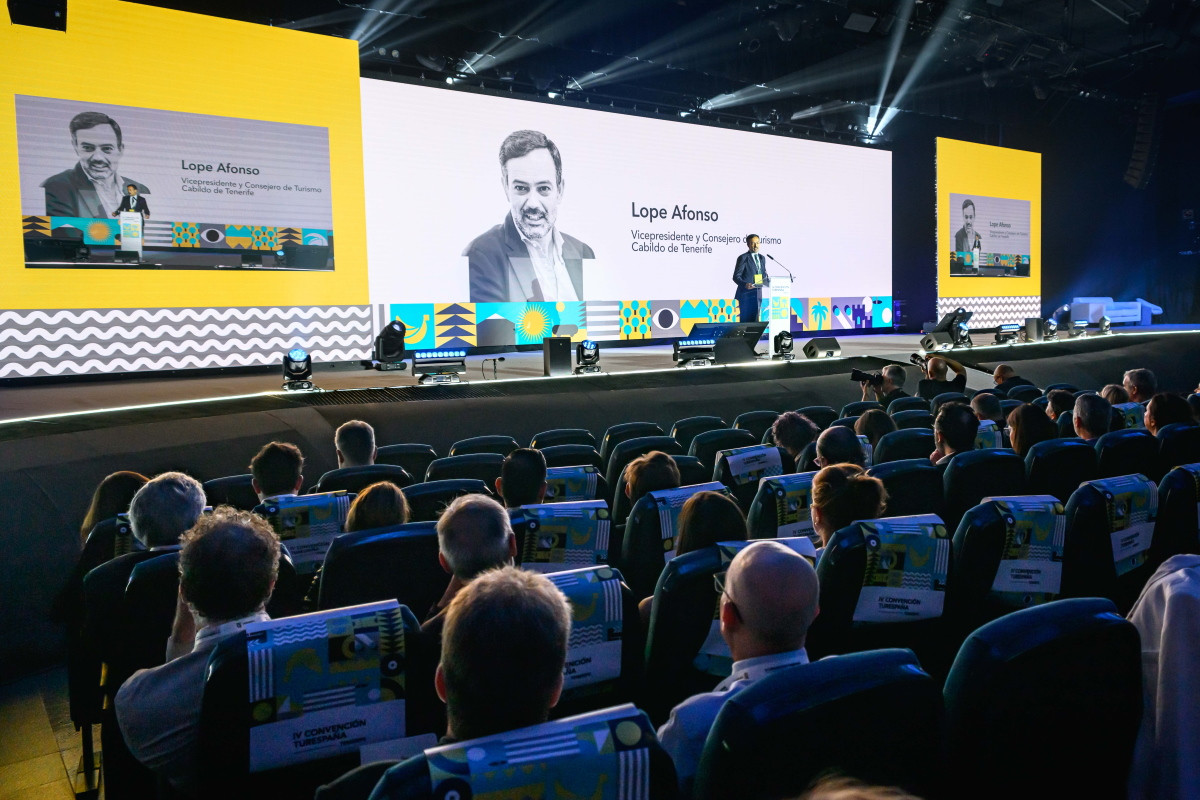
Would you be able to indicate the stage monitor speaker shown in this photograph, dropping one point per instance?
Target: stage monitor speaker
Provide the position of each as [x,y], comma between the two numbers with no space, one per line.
[822,347]
[933,342]
[1035,329]
[127,256]
[306,256]
[556,355]
[51,14]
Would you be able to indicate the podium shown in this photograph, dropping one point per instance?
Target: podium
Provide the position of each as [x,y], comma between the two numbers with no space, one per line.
[779,306]
[130,223]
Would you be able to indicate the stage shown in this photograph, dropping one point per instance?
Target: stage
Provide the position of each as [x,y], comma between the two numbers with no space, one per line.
[58,440]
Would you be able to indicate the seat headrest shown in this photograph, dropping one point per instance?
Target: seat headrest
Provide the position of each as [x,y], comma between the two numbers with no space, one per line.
[750,464]
[564,484]
[564,536]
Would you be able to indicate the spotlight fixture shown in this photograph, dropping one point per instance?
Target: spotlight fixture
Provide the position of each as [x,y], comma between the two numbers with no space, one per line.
[1078,328]
[1105,326]
[1050,332]
[783,346]
[1008,333]
[962,332]
[388,352]
[439,366]
[297,370]
[694,352]
[587,357]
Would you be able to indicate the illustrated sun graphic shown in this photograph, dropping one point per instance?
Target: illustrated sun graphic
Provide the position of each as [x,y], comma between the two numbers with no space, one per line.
[533,322]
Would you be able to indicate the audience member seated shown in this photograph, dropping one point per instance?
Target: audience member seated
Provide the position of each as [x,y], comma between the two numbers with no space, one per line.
[1005,378]
[1115,394]
[165,508]
[276,470]
[842,788]
[1058,401]
[840,445]
[892,387]
[227,568]
[873,424]
[768,600]
[111,497]
[954,432]
[1092,417]
[1140,384]
[355,444]
[705,519]
[474,535]
[987,407]
[793,432]
[1165,409]
[841,494]
[649,473]
[935,383]
[522,480]
[1028,425]
[1193,401]
[503,654]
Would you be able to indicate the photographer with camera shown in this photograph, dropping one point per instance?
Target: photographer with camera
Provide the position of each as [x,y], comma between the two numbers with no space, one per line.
[886,385]
[936,369]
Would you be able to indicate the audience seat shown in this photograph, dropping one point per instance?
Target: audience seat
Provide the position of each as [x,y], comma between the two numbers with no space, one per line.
[1045,703]
[977,474]
[1126,452]
[414,457]
[626,430]
[914,486]
[946,397]
[876,716]
[904,444]
[562,436]
[1134,414]
[821,416]
[1007,406]
[684,430]
[500,445]
[355,479]
[847,422]
[1026,394]
[1175,530]
[907,404]
[808,458]
[691,470]
[1006,555]
[781,507]
[741,469]
[914,418]
[1057,467]
[705,445]
[306,524]
[257,704]
[757,422]
[1110,530]
[527,764]
[481,466]
[572,455]
[990,436]
[566,484]
[883,584]
[1041,402]
[859,407]
[991,390]
[629,449]
[396,563]
[1178,444]
[1066,425]
[427,500]
[649,540]
[1117,421]
[232,490]
[554,537]
[1066,387]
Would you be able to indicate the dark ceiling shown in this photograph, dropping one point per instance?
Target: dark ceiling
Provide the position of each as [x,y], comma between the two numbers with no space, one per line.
[807,64]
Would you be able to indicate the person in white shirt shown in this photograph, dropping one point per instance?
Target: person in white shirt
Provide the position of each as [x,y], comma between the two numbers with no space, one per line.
[768,601]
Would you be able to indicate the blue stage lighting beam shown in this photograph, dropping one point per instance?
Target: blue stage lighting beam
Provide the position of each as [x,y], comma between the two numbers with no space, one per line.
[828,75]
[899,28]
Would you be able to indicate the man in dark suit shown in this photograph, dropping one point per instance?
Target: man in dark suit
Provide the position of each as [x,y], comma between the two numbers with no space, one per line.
[526,257]
[92,188]
[133,202]
[1006,378]
[750,275]
[966,238]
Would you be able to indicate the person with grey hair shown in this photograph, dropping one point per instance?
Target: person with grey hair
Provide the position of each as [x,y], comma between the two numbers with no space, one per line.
[164,508]
[890,388]
[769,598]
[1140,384]
[1092,417]
[526,257]
[840,445]
[227,571]
[355,444]
[474,535]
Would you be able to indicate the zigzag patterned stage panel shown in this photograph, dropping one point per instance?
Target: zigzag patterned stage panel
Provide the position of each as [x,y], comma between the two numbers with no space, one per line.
[80,342]
[993,311]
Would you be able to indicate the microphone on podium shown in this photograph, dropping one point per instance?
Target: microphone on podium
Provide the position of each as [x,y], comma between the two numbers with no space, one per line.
[780,263]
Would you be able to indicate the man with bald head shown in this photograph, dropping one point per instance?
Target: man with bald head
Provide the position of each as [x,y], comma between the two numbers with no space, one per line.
[768,601]
[1006,378]
[935,383]
[838,444]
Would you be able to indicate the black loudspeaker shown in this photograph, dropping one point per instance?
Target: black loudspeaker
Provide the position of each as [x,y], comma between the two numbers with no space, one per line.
[127,256]
[932,342]
[822,347]
[1145,142]
[556,355]
[1035,329]
[50,14]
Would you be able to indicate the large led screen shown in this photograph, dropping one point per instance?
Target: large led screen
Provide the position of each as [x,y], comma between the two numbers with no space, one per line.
[496,221]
